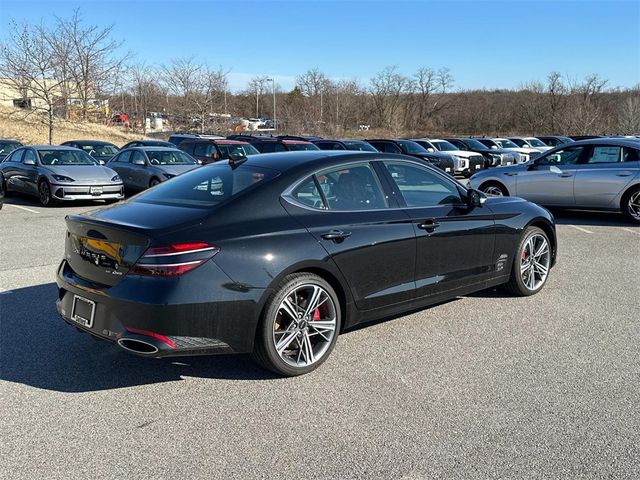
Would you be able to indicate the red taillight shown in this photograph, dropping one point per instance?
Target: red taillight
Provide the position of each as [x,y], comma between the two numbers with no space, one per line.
[174,260]
[155,335]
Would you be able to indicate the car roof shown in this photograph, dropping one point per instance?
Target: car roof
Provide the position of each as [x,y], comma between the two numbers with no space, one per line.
[88,142]
[621,142]
[217,141]
[52,147]
[148,148]
[283,161]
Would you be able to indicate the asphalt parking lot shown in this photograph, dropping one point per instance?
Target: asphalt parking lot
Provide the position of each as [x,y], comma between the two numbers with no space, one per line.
[485,386]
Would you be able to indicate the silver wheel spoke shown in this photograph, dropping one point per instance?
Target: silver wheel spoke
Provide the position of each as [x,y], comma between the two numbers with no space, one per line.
[314,301]
[535,267]
[288,307]
[285,341]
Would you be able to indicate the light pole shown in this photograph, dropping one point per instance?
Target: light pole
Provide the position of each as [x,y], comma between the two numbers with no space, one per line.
[273,86]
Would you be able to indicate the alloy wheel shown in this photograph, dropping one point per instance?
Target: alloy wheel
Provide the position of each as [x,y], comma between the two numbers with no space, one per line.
[633,205]
[493,191]
[45,193]
[304,325]
[535,260]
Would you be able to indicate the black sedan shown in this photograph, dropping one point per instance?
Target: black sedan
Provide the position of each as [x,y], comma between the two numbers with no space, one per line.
[443,161]
[277,254]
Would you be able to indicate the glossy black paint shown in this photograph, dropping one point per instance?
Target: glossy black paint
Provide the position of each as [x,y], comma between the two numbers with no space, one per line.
[390,263]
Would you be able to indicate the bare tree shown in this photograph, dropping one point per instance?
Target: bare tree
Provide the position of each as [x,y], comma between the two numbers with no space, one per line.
[258,86]
[27,65]
[629,115]
[90,58]
[387,89]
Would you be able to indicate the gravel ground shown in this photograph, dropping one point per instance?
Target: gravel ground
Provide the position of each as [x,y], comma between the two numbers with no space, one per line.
[484,386]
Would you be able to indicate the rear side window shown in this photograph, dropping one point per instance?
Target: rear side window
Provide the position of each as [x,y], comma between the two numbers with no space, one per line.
[630,154]
[187,147]
[208,186]
[308,194]
[355,187]
[201,149]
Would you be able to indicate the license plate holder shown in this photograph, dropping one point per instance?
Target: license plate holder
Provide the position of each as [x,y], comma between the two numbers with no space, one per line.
[83,311]
[95,190]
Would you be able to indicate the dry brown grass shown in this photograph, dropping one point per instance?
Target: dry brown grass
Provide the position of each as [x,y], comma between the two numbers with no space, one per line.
[31,129]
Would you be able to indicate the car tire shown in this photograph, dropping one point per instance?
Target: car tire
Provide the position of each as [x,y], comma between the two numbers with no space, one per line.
[630,204]
[153,182]
[494,189]
[532,263]
[289,346]
[7,193]
[44,194]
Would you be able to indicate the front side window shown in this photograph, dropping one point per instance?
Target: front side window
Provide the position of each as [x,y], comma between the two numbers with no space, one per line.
[16,156]
[355,187]
[124,157]
[421,187]
[605,154]
[444,146]
[389,147]
[504,143]
[65,157]
[565,156]
[411,147]
[534,142]
[519,142]
[356,145]
[29,155]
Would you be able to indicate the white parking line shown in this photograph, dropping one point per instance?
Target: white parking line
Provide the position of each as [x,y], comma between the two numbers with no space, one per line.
[637,231]
[584,230]
[21,207]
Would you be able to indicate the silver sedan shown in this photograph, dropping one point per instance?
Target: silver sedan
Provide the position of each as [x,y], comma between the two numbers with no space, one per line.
[598,174]
[58,174]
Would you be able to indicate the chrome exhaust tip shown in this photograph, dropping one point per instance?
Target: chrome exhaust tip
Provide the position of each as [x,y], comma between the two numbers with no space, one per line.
[139,347]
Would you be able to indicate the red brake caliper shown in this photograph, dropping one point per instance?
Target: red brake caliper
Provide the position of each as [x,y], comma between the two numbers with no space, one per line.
[316,314]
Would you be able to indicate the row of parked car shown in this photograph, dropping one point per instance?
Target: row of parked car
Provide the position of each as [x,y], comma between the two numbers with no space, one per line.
[550,170]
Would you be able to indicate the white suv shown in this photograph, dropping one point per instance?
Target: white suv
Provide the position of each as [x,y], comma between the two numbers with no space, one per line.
[469,162]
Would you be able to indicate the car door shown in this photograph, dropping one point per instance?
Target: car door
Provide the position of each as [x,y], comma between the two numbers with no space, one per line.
[549,179]
[120,164]
[455,242]
[29,171]
[139,173]
[604,173]
[369,238]
[11,171]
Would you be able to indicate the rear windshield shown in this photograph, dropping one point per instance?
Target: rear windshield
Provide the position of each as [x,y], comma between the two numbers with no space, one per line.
[100,150]
[444,146]
[169,157]
[65,157]
[412,147]
[7,147]
[301,146]
[206,186]
[363,146]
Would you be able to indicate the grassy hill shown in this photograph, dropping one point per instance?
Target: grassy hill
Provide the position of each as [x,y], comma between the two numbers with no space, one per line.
[31,129]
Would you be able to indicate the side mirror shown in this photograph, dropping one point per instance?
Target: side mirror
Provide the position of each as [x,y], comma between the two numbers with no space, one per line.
[29,161]
[101,162]
[475,198]
[139,162]
[430,149]
[493,147]
[554,169]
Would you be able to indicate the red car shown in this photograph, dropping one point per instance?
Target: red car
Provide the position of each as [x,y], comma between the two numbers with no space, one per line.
[211,150]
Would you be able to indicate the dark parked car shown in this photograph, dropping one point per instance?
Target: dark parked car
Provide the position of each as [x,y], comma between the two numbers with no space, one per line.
[216,261]
[495,156]
[361,145]
[58,174]
[101,151]
[304,138]
[443,161]
[267,144]
[8,146]
[577,138]
[177,138]
[554,141]
[145,167]
[148,143]
[208,151]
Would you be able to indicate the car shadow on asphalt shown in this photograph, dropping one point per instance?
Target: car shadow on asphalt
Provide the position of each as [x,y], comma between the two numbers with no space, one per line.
[37,348]
[590,218]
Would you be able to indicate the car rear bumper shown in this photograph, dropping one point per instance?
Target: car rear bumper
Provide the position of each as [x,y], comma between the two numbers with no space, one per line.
[167,316]
[68,192]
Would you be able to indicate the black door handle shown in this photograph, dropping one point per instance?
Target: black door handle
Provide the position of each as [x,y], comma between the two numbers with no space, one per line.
[336,235]
[429,225]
